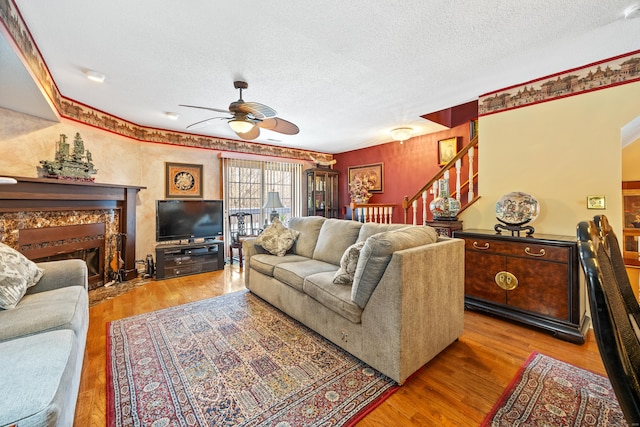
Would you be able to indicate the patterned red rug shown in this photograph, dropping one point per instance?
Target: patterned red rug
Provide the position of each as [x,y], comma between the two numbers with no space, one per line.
[233,360]
[548,392]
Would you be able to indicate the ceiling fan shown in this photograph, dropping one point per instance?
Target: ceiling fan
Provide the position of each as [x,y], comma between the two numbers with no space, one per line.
[247,117]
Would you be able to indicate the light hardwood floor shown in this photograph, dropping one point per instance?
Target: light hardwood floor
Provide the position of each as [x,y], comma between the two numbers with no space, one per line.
[457,388]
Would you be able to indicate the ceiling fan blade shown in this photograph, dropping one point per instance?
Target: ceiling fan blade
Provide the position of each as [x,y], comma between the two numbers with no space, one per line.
[277,124]
[252,134]
[203,123]
[259,111]
[205,108]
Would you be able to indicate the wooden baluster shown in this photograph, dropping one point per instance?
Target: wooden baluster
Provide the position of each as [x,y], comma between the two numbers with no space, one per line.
[376,215]
[415,212]
[424,207]
[470,153]
[390,215]
[458,171]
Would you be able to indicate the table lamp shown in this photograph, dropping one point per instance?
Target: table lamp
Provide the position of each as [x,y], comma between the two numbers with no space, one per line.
[273,203]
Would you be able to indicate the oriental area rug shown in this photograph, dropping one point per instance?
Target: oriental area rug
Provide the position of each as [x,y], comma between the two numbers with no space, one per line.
[233,360]
[548,392]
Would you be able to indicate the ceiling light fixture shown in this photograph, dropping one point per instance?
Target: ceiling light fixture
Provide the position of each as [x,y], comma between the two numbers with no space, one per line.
[241,126]
[95,76]
[401,134]
[172,115]
[632,11]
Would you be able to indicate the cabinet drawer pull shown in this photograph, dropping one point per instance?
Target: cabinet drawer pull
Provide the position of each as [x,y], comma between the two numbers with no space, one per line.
[506,280]
[482,248]
[527,251]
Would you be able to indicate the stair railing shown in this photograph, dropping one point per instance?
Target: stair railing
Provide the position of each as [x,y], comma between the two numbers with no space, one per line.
[465,192]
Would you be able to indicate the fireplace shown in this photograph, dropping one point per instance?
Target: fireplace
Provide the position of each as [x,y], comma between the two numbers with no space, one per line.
[49,219]
[84,241]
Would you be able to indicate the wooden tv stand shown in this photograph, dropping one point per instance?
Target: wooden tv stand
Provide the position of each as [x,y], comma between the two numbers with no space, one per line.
[191,258]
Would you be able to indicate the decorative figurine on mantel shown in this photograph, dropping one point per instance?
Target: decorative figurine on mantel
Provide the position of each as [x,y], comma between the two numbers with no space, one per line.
[77,166]
[514,210]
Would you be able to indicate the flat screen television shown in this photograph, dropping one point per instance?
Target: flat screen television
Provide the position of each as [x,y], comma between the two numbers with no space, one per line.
[189,219]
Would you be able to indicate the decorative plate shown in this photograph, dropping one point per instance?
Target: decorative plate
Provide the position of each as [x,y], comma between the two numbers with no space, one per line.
[517,208]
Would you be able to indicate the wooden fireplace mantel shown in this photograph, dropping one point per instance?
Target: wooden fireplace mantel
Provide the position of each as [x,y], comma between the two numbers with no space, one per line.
[44,194]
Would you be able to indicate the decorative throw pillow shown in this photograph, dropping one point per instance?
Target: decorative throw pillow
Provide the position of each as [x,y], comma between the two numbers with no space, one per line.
[277,239]
[17,273]
[348,263]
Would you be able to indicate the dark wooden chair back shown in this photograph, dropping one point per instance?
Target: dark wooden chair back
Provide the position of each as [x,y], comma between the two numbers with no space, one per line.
[614,325]
[241,225]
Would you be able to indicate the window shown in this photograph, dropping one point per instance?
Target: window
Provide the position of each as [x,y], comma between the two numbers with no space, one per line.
[247,183]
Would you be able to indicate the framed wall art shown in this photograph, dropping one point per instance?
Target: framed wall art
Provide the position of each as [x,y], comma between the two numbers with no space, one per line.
[373,172]
[596,202]
[183,181]
[447,150]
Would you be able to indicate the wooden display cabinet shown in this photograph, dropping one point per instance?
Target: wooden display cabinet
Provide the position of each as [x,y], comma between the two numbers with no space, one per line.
[531,280]
[631,231]
[321,192]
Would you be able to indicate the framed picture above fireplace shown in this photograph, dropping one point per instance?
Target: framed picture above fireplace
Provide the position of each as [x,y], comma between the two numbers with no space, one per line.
[183,181]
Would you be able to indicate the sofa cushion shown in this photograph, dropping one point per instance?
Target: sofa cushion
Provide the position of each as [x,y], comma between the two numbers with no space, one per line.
[376,254]
[370,228]
[294,273]
[276,238]
[17,273]
[336,235]
[348,263]
[265,263]
[309,228]
[337,298]
[37,374]
[64,308]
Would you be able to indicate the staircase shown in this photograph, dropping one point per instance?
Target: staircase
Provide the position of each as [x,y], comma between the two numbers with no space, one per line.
[462,174]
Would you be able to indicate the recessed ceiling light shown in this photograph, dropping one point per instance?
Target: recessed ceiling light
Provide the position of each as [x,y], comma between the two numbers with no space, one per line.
[172,115]
[95,76]
[632,11]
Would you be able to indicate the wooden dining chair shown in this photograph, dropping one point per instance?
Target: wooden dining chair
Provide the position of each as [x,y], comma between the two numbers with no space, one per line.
[614,324]
[241,227]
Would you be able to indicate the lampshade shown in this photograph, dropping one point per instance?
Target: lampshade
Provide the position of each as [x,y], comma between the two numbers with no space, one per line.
[241,126]
[273,201]
[7,180]
[401,134]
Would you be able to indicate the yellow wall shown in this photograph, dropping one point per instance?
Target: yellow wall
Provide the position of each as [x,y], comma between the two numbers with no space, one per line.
[25,140]
[631,162]
[560,151]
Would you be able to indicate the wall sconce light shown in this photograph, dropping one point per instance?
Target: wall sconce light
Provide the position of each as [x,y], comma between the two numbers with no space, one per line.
[401,134]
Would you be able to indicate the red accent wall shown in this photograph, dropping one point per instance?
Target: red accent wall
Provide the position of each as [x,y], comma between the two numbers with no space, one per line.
[407,166]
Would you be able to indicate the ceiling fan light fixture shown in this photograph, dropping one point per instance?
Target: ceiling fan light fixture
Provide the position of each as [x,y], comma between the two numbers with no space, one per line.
[241,126]
[401,134]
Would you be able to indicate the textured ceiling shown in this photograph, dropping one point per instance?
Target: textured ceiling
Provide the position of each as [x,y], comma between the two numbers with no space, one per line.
[345,72]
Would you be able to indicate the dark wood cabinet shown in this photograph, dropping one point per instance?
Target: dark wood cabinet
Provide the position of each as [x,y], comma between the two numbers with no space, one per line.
[193,258]
[533,280]
[445,228]
[321,192]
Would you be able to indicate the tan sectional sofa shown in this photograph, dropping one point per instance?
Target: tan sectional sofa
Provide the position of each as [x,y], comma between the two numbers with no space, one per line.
[404,306]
